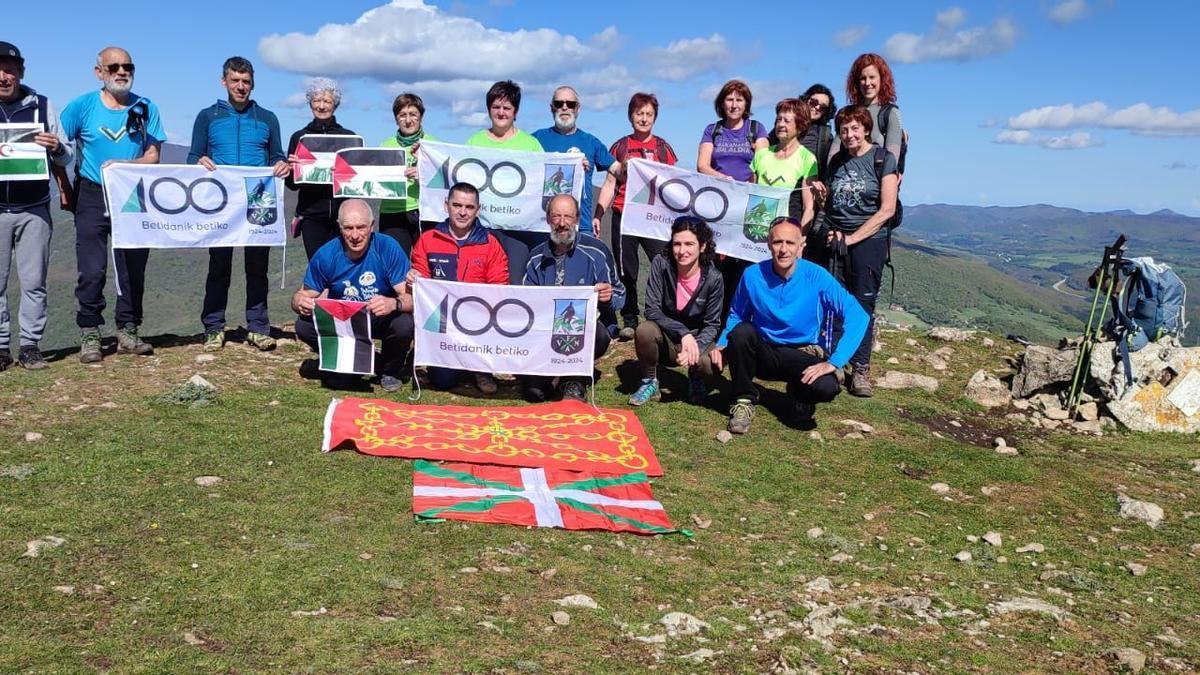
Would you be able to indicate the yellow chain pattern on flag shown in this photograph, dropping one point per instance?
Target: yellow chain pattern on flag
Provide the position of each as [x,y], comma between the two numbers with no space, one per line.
[506,440]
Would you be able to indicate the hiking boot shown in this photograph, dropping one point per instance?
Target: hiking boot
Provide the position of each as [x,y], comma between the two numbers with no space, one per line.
[486,383]
[534,394]
[860,382]
[740,416]
[697,389]
[648,391]
[5,360]
[389,383]
[626,334]
[89,346]
[573,391]
[214,341]
[262,341]
[30,358]
[128,342]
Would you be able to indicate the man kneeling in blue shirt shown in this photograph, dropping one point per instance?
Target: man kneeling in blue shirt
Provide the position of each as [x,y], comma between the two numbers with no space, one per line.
[774,328]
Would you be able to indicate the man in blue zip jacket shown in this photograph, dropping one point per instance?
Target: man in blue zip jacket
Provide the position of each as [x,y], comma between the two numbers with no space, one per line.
[237,132]
[774,327]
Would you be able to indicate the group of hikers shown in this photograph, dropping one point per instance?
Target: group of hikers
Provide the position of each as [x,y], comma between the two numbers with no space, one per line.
[804,316]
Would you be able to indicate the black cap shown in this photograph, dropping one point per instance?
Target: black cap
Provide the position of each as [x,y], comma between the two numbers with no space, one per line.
[9,51]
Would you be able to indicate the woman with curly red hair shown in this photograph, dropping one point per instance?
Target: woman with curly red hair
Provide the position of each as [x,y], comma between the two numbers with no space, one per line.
[870,83]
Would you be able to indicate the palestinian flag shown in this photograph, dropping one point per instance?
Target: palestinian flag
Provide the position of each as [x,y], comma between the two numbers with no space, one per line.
[572,500]
[20,157]
[315,153]
[344,336]
[370,173]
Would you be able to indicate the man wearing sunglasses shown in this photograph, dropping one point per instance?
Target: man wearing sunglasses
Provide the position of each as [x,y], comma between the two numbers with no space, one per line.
[774,328]
[236,131]
[25,222]
[565,136]
[109,126]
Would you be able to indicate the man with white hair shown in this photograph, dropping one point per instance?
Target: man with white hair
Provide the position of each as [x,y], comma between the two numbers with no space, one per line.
[108,126]
[368,267]
[236,131]
[565,136]
[316,209]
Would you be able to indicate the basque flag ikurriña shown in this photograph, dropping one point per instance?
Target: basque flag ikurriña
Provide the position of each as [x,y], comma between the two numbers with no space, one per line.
[344,336]
[572,500]
[370,173]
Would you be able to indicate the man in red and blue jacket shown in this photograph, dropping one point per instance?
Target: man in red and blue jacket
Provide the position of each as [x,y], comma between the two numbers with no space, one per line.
[237,132]
[460,249]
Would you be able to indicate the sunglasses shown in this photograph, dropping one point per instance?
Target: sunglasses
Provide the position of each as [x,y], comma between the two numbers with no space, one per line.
[112,68]
[569,105]
[785,219]
[817,105]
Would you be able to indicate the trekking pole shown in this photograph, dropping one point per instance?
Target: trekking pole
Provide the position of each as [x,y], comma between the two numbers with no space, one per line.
[1105,273]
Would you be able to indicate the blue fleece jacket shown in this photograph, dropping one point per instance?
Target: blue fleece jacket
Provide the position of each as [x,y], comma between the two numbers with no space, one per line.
[588,262]
[232,138]
[791,311]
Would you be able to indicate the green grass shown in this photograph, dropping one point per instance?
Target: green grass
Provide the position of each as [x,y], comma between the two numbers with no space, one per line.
[292,530]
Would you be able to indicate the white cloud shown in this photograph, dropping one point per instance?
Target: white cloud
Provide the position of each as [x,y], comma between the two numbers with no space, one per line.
[850,35]
[989,123]
[946,42]
[408,40]
[1068,11]
[684,59]
[1139,118]
[296,99]
[1075,141]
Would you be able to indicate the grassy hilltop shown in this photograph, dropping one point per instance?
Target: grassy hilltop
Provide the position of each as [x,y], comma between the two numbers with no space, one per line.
[810,553]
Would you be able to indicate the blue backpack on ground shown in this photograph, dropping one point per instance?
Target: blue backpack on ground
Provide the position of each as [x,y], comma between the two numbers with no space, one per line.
[1147,306]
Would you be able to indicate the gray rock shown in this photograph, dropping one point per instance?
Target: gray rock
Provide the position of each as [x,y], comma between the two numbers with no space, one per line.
[994,538]
[989,342]
[198,381]
[824,620]
[1035,605]
[1032,548]
[208,481]
[1088,412]
[1147,512]
[999,442]
[963,556]
[948,334]
[560,618]
[1196,465]
[65,590]
[578,600]
[940,488]
[724,436]
[1136,569]
[17,471]
[893,361]
[33,437]
[205,358]
[840,558]
[895,379]
[34,548]
[1007,450]
[1165,394]
[682,623]
[987,390]
[819,585]
[1129,659]
[1042,367]
[815,532]
[861,427]
[700,655]
[1094,427]
[853,436]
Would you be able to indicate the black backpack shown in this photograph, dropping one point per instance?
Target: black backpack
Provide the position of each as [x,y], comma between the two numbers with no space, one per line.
[750,133]
[885,111]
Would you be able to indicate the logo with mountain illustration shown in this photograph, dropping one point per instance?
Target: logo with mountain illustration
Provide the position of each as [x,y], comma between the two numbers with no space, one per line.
[262,204]
[560,180]
[756,222]
[566,336]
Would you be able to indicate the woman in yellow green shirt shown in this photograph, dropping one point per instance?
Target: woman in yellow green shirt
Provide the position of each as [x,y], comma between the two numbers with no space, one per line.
[400,218]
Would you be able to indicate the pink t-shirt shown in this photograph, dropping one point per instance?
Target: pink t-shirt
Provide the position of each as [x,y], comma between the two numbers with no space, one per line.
[685,289]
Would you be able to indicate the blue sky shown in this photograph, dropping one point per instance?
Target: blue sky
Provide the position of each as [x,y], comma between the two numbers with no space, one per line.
[1079,103]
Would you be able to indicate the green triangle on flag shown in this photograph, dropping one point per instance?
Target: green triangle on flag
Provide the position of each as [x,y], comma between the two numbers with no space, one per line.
[436,323]
[643,197]
[439,181]
[137,199]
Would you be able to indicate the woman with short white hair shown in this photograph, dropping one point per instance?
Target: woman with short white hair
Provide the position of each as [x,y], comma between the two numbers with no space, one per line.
[316,209]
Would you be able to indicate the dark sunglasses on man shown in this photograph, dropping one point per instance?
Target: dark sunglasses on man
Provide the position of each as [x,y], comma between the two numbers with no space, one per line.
[112,68]
[569,105]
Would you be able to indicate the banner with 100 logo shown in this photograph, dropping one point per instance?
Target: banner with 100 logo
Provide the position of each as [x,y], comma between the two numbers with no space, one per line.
[525,330]
[188,206]
[738,213]
[515,187]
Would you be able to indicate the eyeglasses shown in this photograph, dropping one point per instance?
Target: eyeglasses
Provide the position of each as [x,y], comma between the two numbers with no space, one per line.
[112,68]
[408,116]
[785,219]
[569,105]
[817,105]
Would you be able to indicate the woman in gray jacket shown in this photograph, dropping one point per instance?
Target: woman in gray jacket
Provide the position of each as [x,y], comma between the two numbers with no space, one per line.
[684,297]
